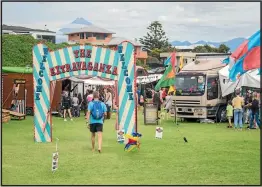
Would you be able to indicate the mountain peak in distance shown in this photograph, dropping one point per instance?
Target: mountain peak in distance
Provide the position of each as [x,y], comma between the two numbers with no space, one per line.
[81,21]
[232,44]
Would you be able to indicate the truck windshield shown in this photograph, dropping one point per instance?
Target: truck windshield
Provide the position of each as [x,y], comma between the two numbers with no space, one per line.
[193,85]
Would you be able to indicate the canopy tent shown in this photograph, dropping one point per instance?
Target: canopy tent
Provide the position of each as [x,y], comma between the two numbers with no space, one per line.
[148,79]
[93,81]
[250,79]
[25,70]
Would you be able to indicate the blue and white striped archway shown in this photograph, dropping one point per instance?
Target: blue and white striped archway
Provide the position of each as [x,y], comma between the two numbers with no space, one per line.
[78,60]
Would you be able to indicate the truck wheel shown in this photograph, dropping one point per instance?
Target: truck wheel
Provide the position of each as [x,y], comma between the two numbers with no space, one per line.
[29,111]
[222,114]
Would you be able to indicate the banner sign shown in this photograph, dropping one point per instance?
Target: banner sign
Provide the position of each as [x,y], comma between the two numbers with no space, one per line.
[19,81]
[148,79]
[159,132]
[150,114]
[55,161]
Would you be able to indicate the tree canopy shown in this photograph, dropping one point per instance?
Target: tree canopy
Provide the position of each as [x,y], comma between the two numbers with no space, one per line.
[156,40]
[17,49]
[208,49]
[156,37]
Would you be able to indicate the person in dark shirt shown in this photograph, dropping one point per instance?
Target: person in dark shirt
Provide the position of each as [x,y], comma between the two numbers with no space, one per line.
[247,111]
[156,100]
[67,105]
[85,103]
[80,99]
[254,106]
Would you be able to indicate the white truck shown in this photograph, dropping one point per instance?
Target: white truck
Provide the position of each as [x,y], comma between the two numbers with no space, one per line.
[198,93]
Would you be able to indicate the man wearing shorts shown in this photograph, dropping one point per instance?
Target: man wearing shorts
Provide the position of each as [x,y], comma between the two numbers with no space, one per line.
[96,125]
[67,105]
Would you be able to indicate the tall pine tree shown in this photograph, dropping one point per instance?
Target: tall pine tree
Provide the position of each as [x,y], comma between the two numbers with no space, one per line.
[155,38]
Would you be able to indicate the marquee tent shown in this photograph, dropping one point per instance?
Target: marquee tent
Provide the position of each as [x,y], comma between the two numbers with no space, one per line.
[250,79]
[92,80]
[148,79]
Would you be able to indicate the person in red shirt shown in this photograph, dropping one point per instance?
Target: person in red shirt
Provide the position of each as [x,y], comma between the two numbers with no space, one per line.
[164,94]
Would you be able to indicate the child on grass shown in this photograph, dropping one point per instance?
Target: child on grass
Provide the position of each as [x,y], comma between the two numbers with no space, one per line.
[229,113]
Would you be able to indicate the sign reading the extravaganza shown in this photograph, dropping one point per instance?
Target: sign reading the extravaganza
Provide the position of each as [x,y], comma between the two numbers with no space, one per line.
[90,66]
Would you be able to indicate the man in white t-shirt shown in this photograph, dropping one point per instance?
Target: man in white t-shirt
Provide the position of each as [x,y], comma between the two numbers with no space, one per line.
[108,102]
[75,106]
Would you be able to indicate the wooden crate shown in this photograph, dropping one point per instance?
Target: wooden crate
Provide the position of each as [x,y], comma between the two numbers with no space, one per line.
[5,116]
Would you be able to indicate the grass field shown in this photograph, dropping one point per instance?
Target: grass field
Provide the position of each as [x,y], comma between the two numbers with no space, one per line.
[213,155]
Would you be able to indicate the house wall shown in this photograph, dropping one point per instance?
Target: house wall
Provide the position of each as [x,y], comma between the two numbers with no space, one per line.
[34,34]
[139,53]
[8,82]
[142,55]
[76,37]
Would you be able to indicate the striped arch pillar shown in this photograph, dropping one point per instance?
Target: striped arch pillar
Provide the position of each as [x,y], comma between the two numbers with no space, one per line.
[126,88]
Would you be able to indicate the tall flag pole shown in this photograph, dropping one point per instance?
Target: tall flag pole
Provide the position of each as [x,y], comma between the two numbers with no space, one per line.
[181,64]
[168,78]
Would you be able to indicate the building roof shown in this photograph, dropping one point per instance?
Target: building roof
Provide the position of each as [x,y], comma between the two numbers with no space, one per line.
[205,64]
[22,29]
[89,28]
[118,40]
[191,47]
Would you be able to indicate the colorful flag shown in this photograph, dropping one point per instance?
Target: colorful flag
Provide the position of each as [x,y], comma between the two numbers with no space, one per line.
[171,60]
[171,89]
[246,57]
[168,78]
[181,65]
[167,62]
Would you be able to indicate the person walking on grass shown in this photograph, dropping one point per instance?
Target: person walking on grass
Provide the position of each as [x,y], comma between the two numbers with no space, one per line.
[238,103]
[157,101]
[80,99]
[169,101]
[85,102]
[108,102]
[75,106]
[254,112]
[66,104]
[95,115]
[229,113]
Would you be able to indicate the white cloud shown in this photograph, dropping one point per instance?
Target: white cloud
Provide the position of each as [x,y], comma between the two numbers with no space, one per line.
[181,21]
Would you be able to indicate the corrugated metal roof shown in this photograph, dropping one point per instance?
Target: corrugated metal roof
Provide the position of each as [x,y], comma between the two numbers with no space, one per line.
[19,28]
[204,64]
[89,28]
[118,40]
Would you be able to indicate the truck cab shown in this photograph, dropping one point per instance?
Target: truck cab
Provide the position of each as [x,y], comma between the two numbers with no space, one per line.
[198,94]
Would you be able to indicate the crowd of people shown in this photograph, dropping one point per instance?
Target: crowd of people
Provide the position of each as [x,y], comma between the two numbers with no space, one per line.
[161,98]
[73,106]
[244,110]
[97,106]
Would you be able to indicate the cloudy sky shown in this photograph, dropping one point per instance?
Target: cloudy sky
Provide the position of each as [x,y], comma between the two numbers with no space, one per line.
[207,21]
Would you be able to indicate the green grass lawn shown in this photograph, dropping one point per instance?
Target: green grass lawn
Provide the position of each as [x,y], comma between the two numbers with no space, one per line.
[213,155]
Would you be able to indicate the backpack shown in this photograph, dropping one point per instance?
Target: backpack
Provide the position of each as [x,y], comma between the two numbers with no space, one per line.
[97,110]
